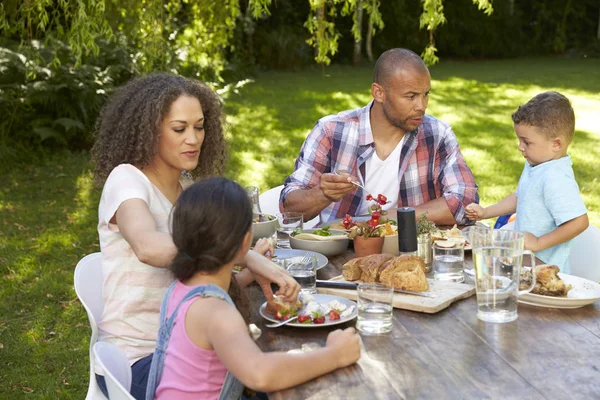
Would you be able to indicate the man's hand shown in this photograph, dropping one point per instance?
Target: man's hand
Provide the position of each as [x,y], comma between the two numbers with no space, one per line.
[475,212]
[335,187]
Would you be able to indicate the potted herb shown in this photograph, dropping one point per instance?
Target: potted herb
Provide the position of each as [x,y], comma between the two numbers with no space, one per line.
[424,230]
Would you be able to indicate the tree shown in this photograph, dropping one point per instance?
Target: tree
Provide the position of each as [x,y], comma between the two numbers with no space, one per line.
[433,16]
[375,22]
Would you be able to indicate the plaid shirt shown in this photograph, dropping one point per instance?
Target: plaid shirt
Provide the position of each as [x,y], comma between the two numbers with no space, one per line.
[431,164]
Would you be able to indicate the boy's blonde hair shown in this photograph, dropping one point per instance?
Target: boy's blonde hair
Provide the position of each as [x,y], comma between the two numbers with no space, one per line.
[551,113]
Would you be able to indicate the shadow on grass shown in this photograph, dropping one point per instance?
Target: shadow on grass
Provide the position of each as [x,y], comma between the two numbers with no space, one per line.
[48,223]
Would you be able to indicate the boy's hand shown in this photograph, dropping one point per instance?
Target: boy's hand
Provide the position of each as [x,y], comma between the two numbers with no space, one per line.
[531,242]
[264,247]
[475,212]
[346,345]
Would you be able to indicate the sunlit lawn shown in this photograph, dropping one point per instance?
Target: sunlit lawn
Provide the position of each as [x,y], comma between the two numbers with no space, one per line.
[48,210]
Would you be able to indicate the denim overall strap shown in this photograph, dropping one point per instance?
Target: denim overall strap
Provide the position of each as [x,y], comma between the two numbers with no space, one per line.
[164,334]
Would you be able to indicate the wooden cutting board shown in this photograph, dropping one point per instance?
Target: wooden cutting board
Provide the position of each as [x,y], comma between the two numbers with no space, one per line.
[446,293]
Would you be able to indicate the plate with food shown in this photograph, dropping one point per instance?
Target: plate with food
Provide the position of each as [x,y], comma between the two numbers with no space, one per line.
[453,235]
[294,255]
[557,290]
[329,242]
[313,311]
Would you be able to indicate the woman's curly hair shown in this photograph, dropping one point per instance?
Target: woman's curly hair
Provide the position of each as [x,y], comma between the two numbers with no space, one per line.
[129,126]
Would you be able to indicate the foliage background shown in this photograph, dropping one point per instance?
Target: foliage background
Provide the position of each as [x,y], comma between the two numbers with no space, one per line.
[261,64]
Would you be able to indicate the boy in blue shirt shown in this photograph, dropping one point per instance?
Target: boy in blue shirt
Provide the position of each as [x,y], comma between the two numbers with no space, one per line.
[549,208]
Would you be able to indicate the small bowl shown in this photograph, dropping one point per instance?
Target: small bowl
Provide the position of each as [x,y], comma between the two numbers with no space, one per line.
[264,229]
[326,247]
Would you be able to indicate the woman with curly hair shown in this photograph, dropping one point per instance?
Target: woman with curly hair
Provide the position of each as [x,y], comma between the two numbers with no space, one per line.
[152,135]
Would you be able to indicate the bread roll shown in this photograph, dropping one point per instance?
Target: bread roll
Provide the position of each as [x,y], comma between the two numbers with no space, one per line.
[370,266]
[406,273]
[351,270]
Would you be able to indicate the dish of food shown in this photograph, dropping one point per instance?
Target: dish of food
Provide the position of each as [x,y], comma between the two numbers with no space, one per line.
[315,311]
[297,255]
[452,235]
[332,245]
[581,292]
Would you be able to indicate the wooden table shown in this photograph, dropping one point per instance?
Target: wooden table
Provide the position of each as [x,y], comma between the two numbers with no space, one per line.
[544,354]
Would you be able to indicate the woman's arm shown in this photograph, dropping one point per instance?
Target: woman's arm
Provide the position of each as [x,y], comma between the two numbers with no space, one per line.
[563,233]
[138,227]
[276,370]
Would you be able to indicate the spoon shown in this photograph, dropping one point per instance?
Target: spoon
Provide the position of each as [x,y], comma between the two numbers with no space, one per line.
[342,172]
[278,324]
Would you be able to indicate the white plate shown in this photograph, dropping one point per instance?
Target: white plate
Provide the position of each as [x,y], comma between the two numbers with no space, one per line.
[584,292]
[321,299]
[297,255]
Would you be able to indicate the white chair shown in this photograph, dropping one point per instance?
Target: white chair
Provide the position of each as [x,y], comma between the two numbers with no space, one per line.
[585,254]
[269,204]
[117,371]
[88,286]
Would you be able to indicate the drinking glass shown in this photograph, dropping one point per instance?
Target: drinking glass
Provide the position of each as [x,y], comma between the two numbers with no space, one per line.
[448,262]
[497,260]
[288,223]
[305,273]
[252,192]
[374,309]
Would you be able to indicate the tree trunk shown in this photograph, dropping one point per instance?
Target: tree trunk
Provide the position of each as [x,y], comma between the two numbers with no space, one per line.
[369,40]
[358,33]
[599,24]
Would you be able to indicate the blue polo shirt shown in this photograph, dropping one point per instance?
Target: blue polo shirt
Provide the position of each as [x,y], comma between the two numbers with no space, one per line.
[548,196]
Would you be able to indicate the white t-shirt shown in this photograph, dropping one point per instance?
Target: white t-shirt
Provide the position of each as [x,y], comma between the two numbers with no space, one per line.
[382,178]
[132,290]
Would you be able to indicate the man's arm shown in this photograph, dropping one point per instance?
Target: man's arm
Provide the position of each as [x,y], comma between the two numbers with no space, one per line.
[437,211]
[456,180]
[332,188]
[311,187]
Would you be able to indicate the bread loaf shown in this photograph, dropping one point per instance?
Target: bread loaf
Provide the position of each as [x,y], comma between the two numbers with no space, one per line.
[404,272]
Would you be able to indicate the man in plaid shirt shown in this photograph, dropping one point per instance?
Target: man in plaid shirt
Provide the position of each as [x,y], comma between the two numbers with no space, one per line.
[390,146]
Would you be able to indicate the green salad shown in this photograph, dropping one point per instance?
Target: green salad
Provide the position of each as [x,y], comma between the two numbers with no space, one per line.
[324,231]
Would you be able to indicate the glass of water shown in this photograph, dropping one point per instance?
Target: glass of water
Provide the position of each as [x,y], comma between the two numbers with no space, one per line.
[448,262]
[288,223]
[374,309]
[305,273]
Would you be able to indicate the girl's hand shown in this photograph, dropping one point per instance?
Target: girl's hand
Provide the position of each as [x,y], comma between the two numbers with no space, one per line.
[264,247]
[346,345]
[475,212]
[265,271]
[531,242]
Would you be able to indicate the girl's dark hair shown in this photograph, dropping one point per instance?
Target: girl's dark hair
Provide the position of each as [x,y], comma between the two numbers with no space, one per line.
[129,126]
[210,220]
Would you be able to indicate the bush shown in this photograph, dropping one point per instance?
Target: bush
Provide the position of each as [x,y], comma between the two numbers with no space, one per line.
[48,102]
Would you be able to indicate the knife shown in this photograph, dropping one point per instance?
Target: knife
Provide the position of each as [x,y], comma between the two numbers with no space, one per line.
[353,285]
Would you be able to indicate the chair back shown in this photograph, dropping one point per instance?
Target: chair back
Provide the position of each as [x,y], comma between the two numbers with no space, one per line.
[88,286]
[269,204]
[117,372]
[585,254]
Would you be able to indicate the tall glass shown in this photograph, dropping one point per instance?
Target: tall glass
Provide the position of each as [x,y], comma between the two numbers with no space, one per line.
[497,260]
[288,223]
[305,273]
[448,262]
[374,309]
[252,192]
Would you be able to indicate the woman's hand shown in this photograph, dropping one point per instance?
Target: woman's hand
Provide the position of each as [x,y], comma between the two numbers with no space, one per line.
[266,272]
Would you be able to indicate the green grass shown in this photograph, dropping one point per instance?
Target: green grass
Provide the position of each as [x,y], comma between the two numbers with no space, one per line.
[48,210]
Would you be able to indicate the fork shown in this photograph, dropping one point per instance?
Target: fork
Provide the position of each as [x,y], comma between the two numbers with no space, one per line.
[342,172]
[278,324]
